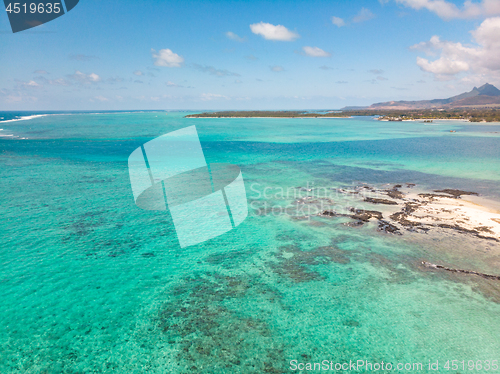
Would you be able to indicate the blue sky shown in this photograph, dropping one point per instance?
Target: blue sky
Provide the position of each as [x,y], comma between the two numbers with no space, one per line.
[249,54]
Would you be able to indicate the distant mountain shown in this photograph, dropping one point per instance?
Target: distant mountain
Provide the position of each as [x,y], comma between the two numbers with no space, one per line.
[486,95]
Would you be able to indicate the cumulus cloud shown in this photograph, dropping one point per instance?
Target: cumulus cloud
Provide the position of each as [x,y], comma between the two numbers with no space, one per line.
[454,58]
[272,32]
[315,52]
[337,21]
[251,58]
[443,66]
[165,57]
[448,10]
[231,35]
[138,73]
[213,71]
[277,68]
[29,84]
[363,15]
[85,78]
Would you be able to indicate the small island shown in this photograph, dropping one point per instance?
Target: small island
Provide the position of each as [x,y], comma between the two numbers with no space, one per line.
[478,105]
[425,115]
[269,114]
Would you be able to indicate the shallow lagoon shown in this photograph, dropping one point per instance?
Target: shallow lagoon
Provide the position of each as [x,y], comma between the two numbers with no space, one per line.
[90,283]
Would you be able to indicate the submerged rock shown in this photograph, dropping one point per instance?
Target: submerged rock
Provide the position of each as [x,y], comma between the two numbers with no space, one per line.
[365,215]
[434,266]
[395,194]
[456,193]
[380,201]
[388,227]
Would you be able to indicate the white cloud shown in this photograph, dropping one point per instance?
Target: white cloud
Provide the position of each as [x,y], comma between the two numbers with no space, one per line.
[213,71]
[172,84]
[363,15]
[20,98]
[165,57]
[231,35]
[337,21]
[376,71]
[29,84]
[40,72]
[53,82]
[315,52]
[455,58]
[138,72]
[59,82]
[211,96]
[442,66]
[277,68]
[94,77]
[488,33]
[85,78]
[272,32]
[448,10]
[101,98]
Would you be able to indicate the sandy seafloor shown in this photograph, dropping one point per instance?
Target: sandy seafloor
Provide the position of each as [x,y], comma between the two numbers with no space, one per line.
[92,284]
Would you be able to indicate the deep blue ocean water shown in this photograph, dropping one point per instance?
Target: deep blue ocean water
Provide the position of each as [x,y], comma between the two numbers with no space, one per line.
[90,283]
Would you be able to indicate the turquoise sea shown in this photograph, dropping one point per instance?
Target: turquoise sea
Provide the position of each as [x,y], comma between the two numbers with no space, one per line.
[90,283]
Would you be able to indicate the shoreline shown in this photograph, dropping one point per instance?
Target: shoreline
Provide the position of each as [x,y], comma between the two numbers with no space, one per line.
[438,119]
[276,117]
[407,208]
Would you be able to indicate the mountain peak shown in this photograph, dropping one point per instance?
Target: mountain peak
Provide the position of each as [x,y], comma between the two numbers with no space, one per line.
[487,94]
[489,90]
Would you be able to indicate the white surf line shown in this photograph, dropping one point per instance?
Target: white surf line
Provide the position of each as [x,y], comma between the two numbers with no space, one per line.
[5,136]
[25,118]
